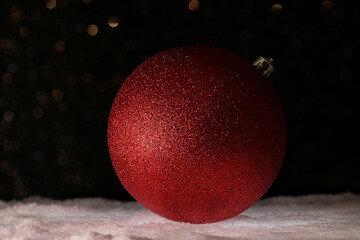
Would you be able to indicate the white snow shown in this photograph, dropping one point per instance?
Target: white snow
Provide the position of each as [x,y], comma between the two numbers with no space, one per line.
[304,217]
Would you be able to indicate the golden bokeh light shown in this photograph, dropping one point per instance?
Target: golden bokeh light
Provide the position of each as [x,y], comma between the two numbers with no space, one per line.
[326,6]
[38,112]
[42,99]
[101,86]
[194,5]
[50,4]
[62,3]
[92,30]
[276,9]
[60,46]
[71,80]
[87,77]
[16,14]
[7,78]
[23,31]
[57,95]
[113,21]
[118,79]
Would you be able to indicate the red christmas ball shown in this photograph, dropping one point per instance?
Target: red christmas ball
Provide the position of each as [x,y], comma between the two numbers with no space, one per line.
[196,134]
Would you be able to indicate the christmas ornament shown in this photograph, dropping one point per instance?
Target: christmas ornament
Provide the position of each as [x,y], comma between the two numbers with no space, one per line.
[197,133]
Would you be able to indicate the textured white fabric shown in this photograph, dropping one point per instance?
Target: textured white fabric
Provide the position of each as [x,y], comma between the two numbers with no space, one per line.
[304,217]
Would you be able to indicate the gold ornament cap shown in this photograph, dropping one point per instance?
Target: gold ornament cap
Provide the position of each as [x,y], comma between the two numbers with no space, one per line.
[264,65]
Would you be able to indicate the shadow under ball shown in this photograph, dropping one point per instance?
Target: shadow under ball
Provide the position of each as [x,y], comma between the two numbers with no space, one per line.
[196,134]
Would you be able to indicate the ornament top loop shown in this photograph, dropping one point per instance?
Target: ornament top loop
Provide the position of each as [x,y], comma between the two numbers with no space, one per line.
[264,65]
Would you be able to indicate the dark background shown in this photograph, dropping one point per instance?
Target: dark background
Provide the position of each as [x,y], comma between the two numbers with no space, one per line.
[58,83]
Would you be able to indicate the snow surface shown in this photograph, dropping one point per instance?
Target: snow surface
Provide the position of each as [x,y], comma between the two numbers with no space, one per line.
[304,217]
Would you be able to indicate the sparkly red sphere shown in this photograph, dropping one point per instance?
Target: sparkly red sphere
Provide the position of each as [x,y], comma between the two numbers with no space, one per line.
[196,134]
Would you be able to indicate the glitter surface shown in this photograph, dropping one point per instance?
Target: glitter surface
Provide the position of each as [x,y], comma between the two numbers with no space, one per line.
[196,134]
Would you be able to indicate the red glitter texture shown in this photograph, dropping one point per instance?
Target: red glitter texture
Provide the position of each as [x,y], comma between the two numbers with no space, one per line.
[196,134]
